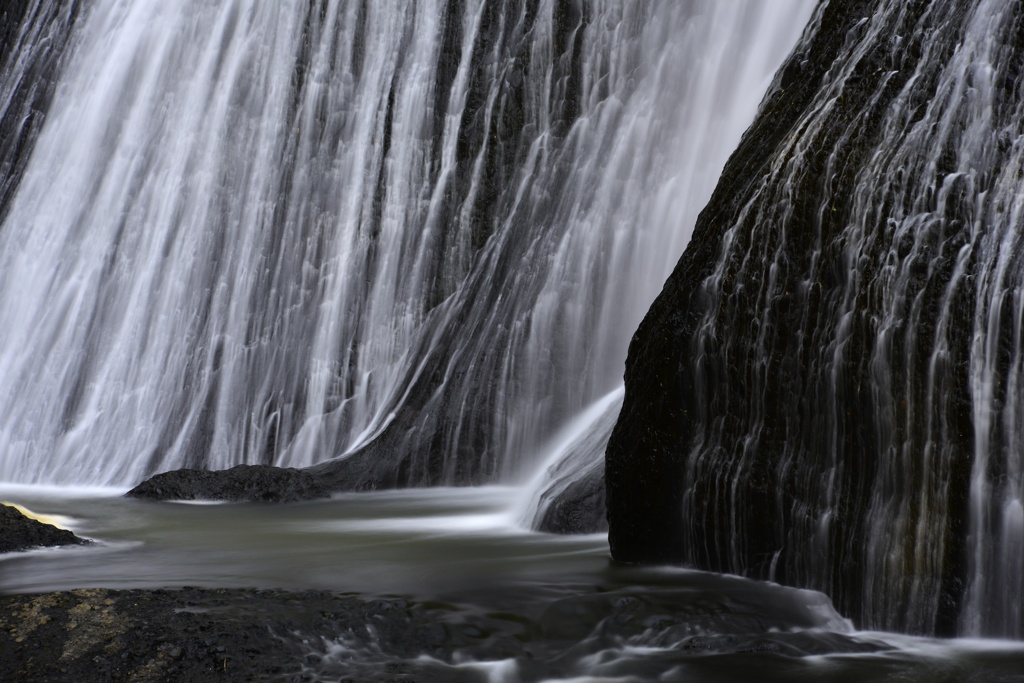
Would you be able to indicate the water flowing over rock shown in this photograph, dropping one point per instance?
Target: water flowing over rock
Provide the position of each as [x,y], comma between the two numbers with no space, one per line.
[412,236]
[827,391]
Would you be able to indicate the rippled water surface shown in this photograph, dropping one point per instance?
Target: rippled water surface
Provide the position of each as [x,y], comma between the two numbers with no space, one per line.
[572,614]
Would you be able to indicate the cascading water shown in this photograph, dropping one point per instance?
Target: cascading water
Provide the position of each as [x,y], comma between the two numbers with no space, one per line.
[277,232]
[853,353]
[240,231]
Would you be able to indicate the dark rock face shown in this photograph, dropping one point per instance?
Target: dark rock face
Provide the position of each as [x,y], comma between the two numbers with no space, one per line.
[240,484]
[18,532]
[646,457]
[823,392]
[579,509]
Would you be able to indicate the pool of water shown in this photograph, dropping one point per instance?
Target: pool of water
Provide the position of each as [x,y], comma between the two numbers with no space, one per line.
[591,620]
[425,541]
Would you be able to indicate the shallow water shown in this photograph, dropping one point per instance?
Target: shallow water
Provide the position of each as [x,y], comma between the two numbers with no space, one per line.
[588,620]
[423,541]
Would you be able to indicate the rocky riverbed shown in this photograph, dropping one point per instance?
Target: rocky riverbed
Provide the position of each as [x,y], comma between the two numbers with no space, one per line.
[196,634]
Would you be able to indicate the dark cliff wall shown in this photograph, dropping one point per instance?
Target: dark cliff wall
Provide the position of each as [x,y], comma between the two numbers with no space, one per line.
[804,398]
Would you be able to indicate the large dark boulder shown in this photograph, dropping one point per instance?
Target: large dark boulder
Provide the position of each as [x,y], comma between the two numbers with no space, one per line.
[646,457]
[240,484]
[19,532]
[823,393]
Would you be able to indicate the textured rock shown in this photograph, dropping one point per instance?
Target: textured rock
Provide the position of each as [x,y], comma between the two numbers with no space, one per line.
[240,484]
[18,532]
[185,635]
[646,456]
[827,378]
[579,509]
[196,634]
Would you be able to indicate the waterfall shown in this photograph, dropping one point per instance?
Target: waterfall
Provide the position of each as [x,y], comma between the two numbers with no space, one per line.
[275,232]
[853,355]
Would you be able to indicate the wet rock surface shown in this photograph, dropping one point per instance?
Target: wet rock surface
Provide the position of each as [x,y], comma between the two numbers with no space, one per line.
[18,532]
[102,635]
[196,634]
[580,509]
[240,484]
[646,455]
[811,364]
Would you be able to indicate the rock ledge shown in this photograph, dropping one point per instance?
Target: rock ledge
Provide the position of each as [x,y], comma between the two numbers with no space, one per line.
[240,484]
[19,532]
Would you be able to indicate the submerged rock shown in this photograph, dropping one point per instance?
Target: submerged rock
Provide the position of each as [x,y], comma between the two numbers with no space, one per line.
[20,532]
[240,484]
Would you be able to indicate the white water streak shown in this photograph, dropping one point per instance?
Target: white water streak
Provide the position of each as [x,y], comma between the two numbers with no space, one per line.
[241,231]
